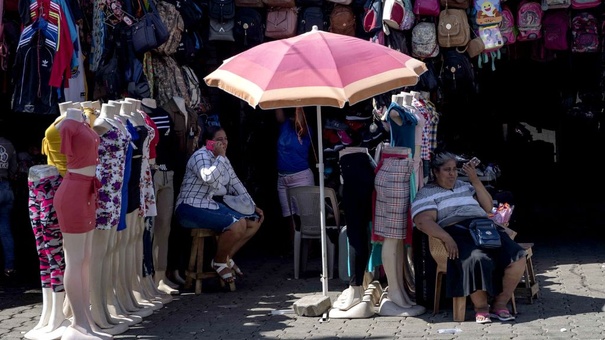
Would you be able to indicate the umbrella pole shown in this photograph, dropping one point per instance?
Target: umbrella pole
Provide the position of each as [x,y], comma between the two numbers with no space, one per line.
[322,206]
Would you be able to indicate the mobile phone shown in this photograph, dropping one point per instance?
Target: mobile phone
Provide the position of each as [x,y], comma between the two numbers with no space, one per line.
[475,161]
[210,144]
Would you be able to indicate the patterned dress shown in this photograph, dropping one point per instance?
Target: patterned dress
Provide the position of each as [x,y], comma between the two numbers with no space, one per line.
[147,191]
[110,171]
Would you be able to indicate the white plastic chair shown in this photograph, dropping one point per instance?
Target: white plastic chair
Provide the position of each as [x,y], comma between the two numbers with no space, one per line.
[305,199]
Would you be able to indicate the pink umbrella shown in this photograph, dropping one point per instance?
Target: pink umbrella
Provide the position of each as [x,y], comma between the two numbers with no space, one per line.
[316,68]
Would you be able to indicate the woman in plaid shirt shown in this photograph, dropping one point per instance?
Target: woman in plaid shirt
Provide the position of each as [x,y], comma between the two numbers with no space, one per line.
[208,176]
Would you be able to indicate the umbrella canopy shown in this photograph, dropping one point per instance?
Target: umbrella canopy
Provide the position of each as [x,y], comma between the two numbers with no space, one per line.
[316,68]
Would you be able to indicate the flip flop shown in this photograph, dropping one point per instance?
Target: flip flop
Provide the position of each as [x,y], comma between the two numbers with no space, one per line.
[482,318]
[502,315]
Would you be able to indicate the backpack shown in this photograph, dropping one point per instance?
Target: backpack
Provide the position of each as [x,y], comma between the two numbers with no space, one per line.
[555,27]
[342,20]
[221,10]
[309,17]
[372,19]
[193,87]
[557,4]
[507,26]
[584,4]
[492,41]
[585,33]
[424,40]
[457,73]
[487,12]
[189,48]
[529,20]
[190,11]
[249,29]
[453,29]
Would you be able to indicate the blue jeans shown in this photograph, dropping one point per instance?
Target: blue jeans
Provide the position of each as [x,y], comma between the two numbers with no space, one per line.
[6,205]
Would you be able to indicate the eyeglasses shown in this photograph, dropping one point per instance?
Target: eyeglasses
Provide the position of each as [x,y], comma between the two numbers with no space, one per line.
[221,139]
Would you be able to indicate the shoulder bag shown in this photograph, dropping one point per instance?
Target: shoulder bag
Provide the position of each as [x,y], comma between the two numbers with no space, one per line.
[484,233]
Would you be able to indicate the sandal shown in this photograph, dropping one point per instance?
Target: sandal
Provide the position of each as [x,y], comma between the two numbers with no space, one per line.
[482,318]
[502,315]
[234,267]
[221,268]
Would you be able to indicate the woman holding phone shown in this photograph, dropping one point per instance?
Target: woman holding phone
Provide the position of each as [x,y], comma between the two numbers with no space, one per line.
[209,176]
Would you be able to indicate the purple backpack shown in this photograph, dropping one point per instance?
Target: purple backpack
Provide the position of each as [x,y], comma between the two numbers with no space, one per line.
[555,26]
[529,20]
[585,33]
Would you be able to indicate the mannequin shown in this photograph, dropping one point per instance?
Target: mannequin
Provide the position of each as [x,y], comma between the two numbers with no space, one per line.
[126,238]
[109,170]
[395,171]
[75,202]
[147,209]
[164,192]
[64,106]
[357,170]
[43,181]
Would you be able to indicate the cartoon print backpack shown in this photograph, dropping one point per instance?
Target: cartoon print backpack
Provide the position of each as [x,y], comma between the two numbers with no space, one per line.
[493,41]
[507,26]
[529,20]
[585,33]
[487,12]
[555,27]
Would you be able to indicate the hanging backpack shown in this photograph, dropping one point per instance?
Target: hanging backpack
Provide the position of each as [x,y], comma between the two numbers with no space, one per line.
[249,29]
[457,74]
[585,33]
[584,4]
[372,19]
[424,40]
[557,4]
[342,20]
[487,12]
[493,42]
[398,14]
[555,27]
[453,29]
[507,26]
[529,20]
[193,87]
[309,17]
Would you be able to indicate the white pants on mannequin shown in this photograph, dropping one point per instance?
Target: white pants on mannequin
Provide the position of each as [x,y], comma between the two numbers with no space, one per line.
[77,286]
[396,302]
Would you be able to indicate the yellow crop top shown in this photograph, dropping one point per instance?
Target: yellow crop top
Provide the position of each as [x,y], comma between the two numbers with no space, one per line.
[51,147]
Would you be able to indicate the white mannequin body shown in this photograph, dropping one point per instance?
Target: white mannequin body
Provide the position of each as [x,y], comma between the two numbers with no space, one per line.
[100,277]
[77,268]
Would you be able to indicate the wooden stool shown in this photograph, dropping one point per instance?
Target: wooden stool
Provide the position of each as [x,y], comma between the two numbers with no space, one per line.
[528,287]
[195,271]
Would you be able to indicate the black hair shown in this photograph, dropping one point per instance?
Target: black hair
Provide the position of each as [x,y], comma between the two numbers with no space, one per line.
[209,133]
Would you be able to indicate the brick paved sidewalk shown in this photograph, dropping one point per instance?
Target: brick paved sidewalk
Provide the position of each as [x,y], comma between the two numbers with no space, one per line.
[571,275]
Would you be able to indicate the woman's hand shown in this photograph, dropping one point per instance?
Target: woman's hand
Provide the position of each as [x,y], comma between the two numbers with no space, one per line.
[451,247]
[470,171]
[220,149]
[260,213]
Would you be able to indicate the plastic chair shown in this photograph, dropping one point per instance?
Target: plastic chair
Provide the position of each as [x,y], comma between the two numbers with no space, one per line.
[306,201]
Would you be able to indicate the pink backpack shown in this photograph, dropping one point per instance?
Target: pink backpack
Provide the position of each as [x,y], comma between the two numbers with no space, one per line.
[507,26]
[529,20]
[584,4]
[555,28]
[585,33]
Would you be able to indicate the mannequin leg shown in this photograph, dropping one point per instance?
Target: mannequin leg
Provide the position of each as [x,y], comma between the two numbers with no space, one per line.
[397,302]
[77,278]
[164,195]
[138,290]
[98,280]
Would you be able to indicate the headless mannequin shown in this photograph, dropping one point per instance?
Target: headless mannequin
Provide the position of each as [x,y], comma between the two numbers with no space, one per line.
[52,322]
[127,241]
[396,302]
[138,282]
[353,302]
[160,240]
[100,276]
[77,274]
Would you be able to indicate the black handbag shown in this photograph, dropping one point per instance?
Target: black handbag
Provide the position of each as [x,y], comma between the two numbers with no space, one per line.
[221,30]
[150,31]
[485,234]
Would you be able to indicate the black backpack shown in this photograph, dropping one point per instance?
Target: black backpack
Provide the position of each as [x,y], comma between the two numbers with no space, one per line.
[249,29]
[457,73]
[309,16]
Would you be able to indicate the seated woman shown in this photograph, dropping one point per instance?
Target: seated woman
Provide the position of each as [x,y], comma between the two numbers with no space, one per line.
[208,176]
[443,209]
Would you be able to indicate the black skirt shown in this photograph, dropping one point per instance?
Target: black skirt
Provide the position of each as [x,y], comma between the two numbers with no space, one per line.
[478,269]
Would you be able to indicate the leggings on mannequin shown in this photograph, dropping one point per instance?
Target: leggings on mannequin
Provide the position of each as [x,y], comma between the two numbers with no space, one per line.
[48,236]
[147,247]
[357,172]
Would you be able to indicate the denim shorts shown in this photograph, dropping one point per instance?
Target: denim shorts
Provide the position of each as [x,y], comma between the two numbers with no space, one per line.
[218,220]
